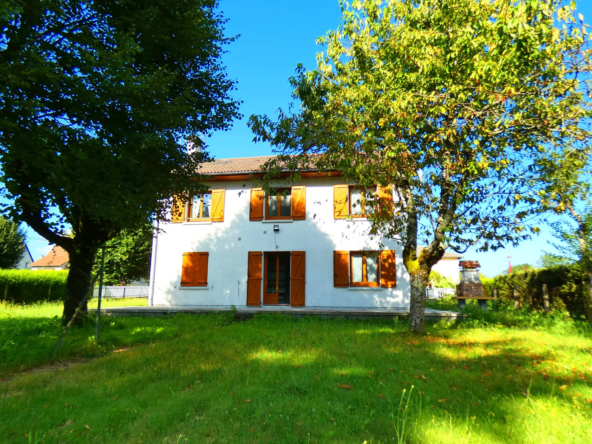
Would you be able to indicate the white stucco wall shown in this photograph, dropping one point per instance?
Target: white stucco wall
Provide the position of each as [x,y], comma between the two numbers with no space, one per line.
[229,242]
[448,267]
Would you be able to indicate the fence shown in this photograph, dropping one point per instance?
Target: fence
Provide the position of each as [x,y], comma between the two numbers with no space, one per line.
[439,293]
[118,291]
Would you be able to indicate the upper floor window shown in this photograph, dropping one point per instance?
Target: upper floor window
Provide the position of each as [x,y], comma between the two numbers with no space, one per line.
[278,204]
[203,206]
[200,206]
[360,203]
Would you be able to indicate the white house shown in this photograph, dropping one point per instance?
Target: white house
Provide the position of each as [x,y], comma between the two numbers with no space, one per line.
[295,247]
[25,260]
[448,266]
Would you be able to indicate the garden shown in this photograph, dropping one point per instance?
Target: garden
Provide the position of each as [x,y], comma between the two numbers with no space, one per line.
[520,376]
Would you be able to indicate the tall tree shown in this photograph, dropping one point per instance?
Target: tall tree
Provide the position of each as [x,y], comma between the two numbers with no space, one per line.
[568,171]
[12,243]
[127,256]
[453,102]
[97,99]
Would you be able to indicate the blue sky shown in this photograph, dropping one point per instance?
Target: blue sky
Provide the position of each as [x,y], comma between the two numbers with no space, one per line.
[276,35]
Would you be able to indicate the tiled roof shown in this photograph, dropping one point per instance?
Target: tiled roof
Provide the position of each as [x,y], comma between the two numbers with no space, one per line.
[233,166]
[57,257]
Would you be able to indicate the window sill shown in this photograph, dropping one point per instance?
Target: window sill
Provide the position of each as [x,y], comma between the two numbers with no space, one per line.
[277,221]
[204,222]
[194,288]
[365,288]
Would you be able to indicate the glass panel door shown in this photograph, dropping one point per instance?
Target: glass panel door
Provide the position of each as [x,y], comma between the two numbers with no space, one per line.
[276,288]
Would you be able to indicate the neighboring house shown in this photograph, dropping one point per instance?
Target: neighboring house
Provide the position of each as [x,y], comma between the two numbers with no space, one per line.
[26,259]
[297,246]
[448,266]
[56,259]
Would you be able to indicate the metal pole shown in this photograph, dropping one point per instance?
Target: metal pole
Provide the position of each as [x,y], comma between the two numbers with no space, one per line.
[100,294]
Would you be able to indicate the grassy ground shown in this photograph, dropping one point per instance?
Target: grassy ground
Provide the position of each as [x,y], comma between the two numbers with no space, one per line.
[275,379]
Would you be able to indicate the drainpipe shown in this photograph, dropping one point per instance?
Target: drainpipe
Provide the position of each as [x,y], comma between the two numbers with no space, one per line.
[153,267]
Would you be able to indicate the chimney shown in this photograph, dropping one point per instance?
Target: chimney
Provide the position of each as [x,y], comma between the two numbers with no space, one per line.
[470,286]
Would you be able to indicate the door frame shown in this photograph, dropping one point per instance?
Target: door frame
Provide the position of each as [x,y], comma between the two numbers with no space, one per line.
[264,293]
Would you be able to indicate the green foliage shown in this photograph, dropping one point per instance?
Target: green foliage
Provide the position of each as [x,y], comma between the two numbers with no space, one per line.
[12,240]
[519,268]
[552,260]
[439,281]
[98,100]
[32,287]
[564,283]
[450,101]
[127,257]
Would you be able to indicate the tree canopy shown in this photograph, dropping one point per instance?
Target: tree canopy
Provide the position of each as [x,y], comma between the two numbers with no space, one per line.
[127,257]
[97,101]
[12,243]
[453,102]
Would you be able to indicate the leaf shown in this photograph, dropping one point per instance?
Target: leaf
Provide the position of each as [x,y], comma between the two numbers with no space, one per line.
[563,387]
[442,400]
[248,400]
[345,386]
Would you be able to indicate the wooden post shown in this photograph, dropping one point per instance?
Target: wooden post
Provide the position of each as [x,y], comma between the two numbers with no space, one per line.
[546,304]
[495,293]
[516,299]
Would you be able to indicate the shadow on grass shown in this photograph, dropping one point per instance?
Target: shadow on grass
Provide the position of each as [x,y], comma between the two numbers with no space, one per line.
[297,380]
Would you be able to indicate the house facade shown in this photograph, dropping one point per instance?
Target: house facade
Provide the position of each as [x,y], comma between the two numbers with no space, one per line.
[25,260]
[306,244]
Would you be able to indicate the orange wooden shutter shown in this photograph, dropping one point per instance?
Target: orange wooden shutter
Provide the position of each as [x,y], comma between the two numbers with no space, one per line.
[299,203]
[178,209]
[298,275]
[388,269]
[254,278]
[256,204]
[201,273]
[385,195]
[340,201]
[195,270]
[341,268]
[217,205]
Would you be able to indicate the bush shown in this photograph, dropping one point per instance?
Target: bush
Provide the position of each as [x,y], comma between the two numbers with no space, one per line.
[30,287]
[564,284]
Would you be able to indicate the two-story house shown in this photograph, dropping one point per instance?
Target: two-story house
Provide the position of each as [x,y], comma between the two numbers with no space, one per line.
[301,245]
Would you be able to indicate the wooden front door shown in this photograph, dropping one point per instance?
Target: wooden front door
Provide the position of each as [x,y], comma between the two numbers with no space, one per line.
[276,281]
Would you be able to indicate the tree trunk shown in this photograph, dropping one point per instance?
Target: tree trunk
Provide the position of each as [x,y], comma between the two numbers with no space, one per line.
[78,284]
[588,296]
[417,307]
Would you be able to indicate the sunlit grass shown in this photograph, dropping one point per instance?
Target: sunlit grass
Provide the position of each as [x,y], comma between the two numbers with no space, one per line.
[275,379]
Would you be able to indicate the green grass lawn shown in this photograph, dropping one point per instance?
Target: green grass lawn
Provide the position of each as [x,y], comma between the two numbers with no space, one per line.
[276,379]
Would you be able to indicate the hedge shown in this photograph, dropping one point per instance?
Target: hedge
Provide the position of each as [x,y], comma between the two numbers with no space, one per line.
[29,287]
[564,284]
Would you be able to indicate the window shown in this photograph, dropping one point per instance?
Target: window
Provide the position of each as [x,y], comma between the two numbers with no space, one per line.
[194,271]
[278,204]
[361,201]
[364,269]
[200,207]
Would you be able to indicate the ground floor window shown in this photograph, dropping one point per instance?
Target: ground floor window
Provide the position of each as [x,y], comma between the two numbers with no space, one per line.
[364,269]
